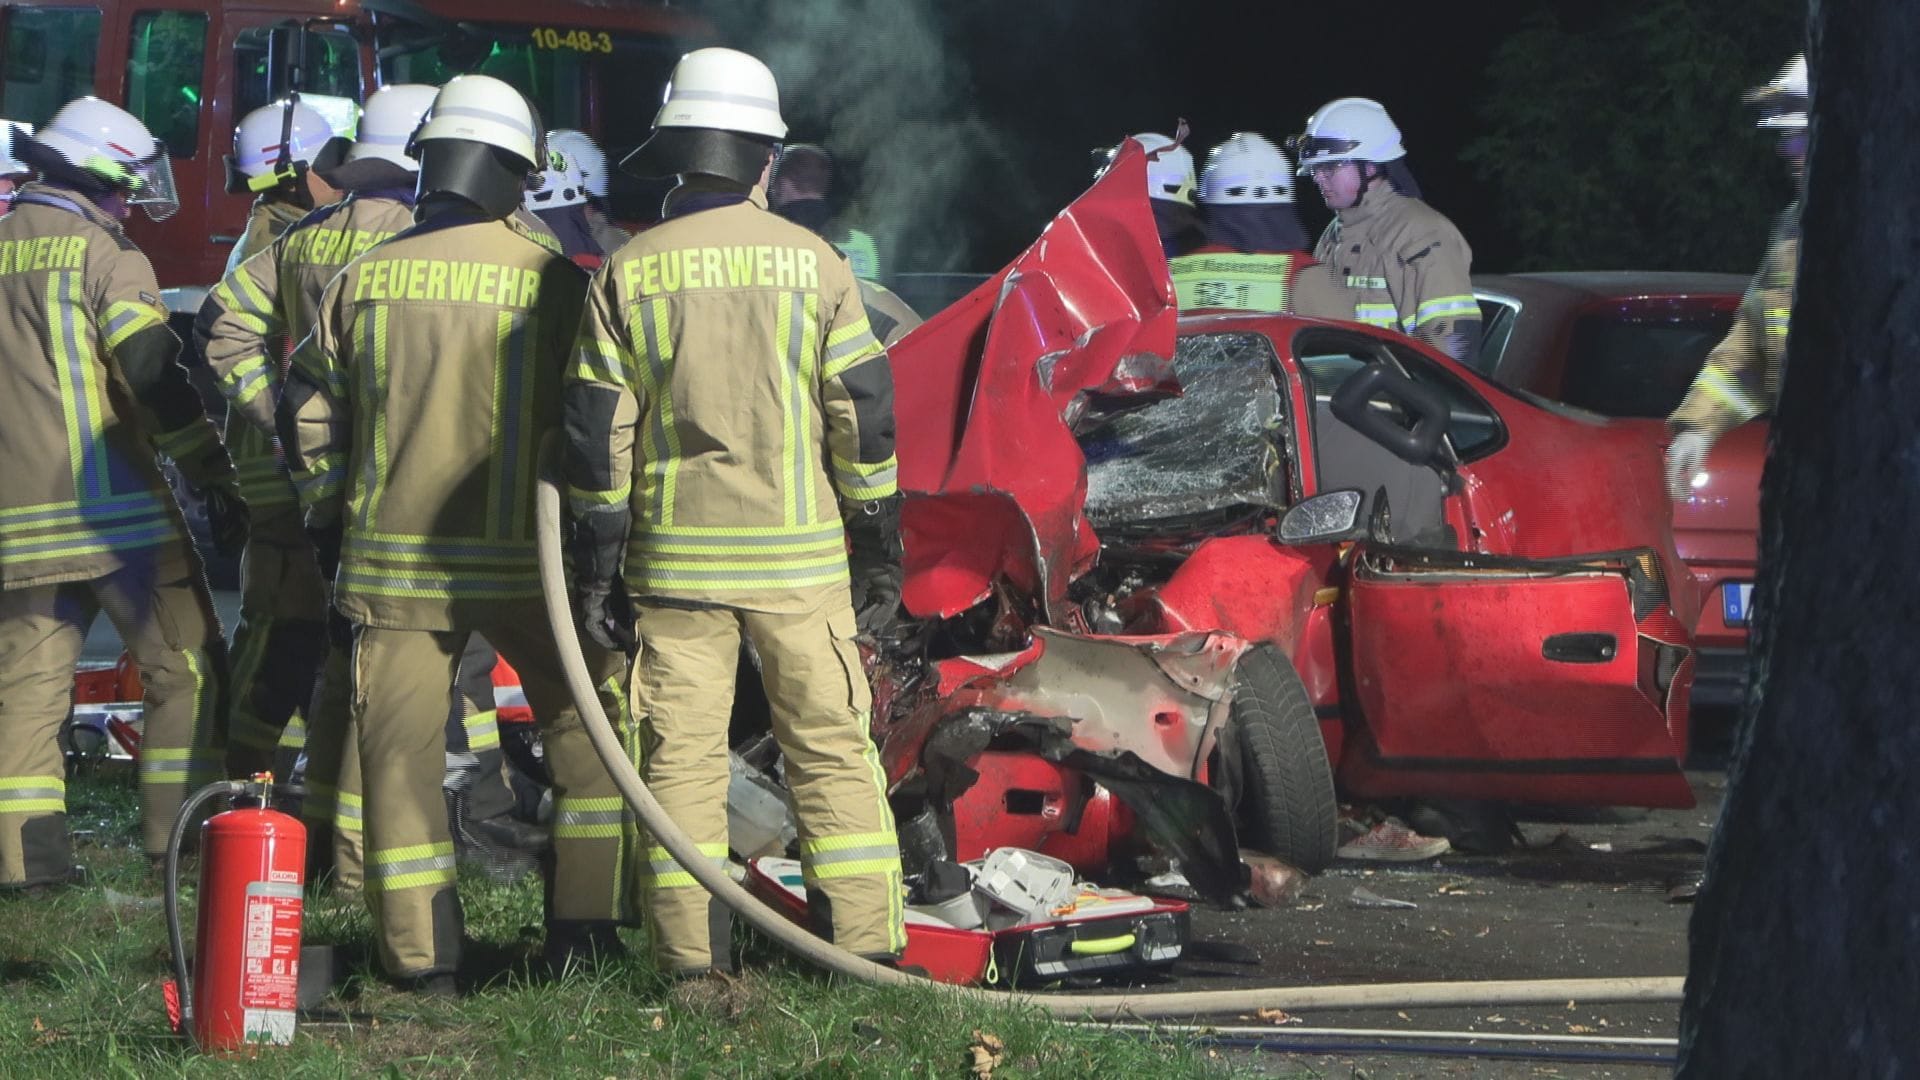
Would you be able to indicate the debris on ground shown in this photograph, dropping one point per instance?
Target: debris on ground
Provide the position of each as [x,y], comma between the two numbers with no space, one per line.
[1273,883]
[986,1050]
[1364,897]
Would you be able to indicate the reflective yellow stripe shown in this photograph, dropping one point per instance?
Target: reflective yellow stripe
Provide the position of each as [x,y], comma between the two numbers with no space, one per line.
[664,872]
[483,730]
[33,795]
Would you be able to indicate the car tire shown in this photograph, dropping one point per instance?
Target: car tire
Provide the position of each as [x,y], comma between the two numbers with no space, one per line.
[1287,806]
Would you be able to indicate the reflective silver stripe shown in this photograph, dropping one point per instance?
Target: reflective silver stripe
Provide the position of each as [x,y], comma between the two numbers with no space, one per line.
[813,859]
[723,98]
[485,114]
[412,866]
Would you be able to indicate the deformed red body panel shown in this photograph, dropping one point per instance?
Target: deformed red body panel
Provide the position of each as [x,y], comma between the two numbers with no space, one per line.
[995,480]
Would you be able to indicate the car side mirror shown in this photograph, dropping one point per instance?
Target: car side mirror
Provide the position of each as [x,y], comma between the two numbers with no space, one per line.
[1409,419]
[1326,518]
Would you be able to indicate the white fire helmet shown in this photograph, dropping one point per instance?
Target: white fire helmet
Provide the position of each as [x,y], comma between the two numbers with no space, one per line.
[110,143]
[273,142]
[560,184]
[1246,169]
[9,131]
[1783,101]
[723,89]
[1169,168]
[586,156]
[482,109]
[392,115]
[1348,129]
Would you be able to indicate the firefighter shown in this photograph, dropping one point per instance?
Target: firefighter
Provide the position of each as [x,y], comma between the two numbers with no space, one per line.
[1741,378]
[1170,187]
[12,172]
[559,200]
[799,190]
[1255,257]
[1405,266]
[279,150]
[592,163]
[727,407]
[91,391]
[412,416]
[283,661]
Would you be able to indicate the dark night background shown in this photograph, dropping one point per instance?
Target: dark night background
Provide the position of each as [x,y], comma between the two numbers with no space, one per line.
[1557,135]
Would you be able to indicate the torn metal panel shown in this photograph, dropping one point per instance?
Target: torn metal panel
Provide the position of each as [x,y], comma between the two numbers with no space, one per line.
[994,476]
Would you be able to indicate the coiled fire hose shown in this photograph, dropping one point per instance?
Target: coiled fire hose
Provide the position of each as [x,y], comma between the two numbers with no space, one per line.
[1123,1005]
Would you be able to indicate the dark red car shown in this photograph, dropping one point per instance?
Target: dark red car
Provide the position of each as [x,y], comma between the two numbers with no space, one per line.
[1224,563]
[1628,344]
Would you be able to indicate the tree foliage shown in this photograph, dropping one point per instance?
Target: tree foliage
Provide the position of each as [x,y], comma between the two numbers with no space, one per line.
[1615,136]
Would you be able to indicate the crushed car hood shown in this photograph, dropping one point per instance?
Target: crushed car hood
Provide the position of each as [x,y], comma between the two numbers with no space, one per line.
[986,392]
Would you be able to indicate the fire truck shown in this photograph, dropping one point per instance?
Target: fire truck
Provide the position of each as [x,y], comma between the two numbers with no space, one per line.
[191,68]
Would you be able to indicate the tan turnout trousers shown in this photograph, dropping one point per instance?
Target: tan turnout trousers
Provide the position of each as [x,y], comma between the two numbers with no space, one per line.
[682,688]
[401,681]
[161,610]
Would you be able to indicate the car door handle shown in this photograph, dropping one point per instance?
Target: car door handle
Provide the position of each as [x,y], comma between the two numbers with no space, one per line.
[223,238]
[1580,648]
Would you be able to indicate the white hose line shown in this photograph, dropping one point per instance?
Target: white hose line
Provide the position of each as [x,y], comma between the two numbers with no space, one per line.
[1289,1031]
[1139,1005]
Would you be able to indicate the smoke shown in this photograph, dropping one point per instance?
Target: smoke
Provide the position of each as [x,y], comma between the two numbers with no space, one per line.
[879,84]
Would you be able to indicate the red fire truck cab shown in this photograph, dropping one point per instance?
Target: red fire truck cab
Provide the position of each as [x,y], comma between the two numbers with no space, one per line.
[191,68]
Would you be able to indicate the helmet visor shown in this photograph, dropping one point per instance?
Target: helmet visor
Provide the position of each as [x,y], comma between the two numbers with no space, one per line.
[152,188]
[1320,147]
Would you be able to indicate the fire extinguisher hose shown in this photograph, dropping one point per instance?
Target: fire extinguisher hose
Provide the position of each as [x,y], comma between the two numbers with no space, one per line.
[826,955]
[176,940]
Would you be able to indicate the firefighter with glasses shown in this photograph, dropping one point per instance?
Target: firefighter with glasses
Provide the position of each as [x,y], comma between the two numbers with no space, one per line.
[92,392]
[729,430]
[413,415]
[1404,265]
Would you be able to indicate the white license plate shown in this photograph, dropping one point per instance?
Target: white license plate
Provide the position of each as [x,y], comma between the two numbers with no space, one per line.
[1737,598]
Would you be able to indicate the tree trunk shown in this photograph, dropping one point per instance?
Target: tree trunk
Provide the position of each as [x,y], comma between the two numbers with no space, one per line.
[1805,940]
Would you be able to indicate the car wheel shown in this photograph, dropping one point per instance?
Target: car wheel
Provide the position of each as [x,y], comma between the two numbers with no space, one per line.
[1287,807]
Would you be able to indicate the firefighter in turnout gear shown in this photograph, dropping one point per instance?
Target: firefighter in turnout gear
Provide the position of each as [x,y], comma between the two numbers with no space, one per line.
[283,661]
[412,416]
[560,202]
[1170,187]
[1255,257]
[92,391]
[1741,378]
[1405,265]
[799,191]
[279,152]
[727,406]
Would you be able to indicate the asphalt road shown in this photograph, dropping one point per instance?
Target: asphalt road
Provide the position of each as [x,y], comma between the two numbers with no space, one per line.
[1580,900]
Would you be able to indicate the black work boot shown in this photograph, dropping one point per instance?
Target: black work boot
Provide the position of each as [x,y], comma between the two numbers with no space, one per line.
[580,945]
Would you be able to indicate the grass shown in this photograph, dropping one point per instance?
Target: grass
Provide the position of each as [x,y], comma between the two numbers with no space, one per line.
[81,975]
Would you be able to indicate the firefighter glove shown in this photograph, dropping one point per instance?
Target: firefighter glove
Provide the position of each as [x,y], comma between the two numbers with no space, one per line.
[227,518]
[606,616]
[1686,456]
[874,563]
[326,548]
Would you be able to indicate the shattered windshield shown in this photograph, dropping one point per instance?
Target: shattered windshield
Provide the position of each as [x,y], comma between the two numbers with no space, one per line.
[1210,449]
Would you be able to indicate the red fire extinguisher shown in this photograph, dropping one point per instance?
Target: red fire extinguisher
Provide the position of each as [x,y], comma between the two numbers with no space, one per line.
[246,960]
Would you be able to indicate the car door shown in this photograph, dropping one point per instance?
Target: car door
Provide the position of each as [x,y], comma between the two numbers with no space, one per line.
[1550,676]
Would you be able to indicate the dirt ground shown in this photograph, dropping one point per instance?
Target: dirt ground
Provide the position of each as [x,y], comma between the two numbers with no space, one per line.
[1580,900]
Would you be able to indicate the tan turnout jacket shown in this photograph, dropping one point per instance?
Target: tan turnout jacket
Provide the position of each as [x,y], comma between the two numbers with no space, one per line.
[89,391]
[1406,268]
[1741,378]
[728,394]
[417,406]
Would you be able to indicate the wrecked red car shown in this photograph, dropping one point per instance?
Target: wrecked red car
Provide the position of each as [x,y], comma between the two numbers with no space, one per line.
[1180,580]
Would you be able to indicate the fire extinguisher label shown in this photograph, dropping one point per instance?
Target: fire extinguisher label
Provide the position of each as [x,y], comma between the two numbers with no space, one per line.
[270,977]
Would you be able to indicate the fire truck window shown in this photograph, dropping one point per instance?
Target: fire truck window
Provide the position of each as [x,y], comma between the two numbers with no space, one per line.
[332,83]
[553,79]
[49,60]
[164,66]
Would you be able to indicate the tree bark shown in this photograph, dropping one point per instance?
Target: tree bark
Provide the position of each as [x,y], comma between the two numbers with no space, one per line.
[1805,939]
